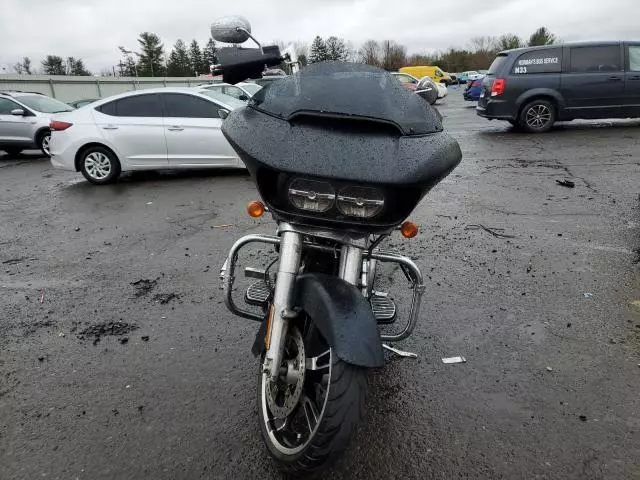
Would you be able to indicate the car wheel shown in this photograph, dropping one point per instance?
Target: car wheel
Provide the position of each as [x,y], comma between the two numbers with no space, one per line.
[99,165]
[538,116]
[12,152]
[43,142]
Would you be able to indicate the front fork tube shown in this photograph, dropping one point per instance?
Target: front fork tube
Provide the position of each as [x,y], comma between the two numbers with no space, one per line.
[350,264]
[281,309]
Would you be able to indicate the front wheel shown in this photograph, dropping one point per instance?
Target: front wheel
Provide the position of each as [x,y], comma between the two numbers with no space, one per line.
[309,414]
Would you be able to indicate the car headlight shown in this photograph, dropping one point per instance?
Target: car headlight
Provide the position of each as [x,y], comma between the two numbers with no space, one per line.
[311,195]
[362,202]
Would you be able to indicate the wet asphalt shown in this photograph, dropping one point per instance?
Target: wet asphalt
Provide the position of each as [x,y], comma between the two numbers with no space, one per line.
[118,359]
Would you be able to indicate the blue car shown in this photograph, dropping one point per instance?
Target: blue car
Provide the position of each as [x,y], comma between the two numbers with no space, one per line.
[473,91]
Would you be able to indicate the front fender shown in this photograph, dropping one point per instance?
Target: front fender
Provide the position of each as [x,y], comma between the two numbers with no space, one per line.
[343,316]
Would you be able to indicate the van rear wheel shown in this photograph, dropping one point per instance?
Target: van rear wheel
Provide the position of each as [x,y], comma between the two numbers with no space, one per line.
[538,116]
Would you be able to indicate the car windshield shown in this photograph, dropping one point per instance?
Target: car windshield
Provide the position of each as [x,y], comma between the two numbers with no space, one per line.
[44,104]
[495,66]
[222,98]
[251,88]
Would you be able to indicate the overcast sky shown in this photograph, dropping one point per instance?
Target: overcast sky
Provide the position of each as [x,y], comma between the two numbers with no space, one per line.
[93,29]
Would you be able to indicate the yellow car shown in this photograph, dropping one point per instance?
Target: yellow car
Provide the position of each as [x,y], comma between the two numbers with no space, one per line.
[435,73]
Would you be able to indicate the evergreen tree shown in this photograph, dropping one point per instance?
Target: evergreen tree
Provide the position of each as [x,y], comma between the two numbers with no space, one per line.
[337,50]
[178,64]
[151,62]
[128,67]
[542,36]
[509,41]
[75,66]
[198,66]
[209,55]
[318,51]
[53,65]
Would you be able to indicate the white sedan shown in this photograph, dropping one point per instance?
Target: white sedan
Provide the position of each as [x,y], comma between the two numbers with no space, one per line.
[150,129]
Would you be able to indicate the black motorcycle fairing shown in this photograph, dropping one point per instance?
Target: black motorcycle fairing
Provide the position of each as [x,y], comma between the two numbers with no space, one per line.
[345,123]
[343,316]
[348,90]
[340,147]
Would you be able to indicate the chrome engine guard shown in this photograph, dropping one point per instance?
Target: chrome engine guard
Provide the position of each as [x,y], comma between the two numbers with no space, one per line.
[410,269]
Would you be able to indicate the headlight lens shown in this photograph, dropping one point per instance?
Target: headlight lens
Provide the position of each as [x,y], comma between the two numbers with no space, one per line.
[361,202]
[311,195]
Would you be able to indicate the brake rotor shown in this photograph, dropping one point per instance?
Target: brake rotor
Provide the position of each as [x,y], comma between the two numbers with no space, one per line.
[283,393]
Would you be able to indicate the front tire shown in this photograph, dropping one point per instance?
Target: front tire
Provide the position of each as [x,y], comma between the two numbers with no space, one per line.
[538,116]
[99,165]
[326,415]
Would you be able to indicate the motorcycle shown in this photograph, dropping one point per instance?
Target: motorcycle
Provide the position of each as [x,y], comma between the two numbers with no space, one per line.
[341,154]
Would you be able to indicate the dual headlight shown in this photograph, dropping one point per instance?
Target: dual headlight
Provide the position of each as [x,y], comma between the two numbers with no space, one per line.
[319,197]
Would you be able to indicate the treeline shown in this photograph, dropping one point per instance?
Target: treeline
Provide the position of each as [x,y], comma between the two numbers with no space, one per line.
[147,61]
[482,51]
[186,60]
[53,65]
[391,55]
[183,60]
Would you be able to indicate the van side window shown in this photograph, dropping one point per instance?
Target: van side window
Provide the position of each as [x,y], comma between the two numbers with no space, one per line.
[548,60]
[634,58]
[596,59]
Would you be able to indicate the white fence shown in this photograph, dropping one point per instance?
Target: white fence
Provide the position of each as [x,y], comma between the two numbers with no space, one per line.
[68,88]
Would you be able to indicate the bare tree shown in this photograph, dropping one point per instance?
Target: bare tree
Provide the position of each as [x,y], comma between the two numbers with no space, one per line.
[371,53]
[483,44]
[23,67]
[302,52]
[394,55]
[352,53]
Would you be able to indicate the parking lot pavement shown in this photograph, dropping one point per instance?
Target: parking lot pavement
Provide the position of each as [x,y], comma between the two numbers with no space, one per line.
[118,359]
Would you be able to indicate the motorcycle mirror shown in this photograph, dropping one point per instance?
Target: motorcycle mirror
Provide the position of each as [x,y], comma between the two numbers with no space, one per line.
[231,29]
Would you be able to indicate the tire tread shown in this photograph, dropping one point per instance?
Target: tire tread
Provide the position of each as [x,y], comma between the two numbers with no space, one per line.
[343,412]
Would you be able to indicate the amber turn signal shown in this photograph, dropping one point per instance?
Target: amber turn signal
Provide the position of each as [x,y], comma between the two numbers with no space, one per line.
[255,209]
[409,229]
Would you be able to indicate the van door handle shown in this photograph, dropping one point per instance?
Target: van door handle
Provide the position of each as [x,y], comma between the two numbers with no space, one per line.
[109,127]
[614,79]
[175,128]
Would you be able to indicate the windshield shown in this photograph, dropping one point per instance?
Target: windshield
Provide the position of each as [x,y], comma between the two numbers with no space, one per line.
[347,90]
[497,63]
[41,103]
[251,88]
[222,98]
